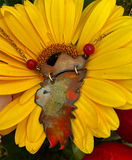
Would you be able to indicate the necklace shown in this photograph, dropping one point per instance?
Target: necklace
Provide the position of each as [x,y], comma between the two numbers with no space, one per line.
[59,90]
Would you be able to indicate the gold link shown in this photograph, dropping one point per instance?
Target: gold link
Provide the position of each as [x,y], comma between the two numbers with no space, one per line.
[13,44]
[76,70]
[101,37]
[49,74]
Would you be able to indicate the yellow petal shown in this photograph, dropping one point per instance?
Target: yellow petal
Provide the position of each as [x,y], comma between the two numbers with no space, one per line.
[69,21]
[17,86]
[88,108]
[79,128]
[127,94]
[110,115]
[8,32]
[33,147]
[113,41]
[125,83]
[20,8]
[117,12]
[127,106]
[28,94]
[103,92]
[95,22]
[111,59]
[78,11]
[21,132]
[22,29]
[121,72]
[37,21]
[7,70]
[85,14]
[13,113]
[103,129]
[11,61]
[116,23]
[57,17]
[88,142]
[40,5]
[7,48]
[7,131]
[48,5]
[34,128]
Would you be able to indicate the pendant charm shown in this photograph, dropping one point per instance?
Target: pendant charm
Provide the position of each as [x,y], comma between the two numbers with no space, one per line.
[57,101]
[58,95]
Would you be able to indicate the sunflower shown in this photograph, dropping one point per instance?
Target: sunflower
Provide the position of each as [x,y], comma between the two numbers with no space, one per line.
[107,84]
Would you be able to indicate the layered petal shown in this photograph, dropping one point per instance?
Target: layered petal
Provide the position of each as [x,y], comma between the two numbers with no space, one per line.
[14,113]
[28,94]
[81,132]
[7,131]
[57,19]
[33,147]
[118,73]
[69,21]
[21,132]
[103,93]
[113,41]
[111,59]
[38,22]
[22,29]
[95,22]
[110,116]
[34,128]
[89,110]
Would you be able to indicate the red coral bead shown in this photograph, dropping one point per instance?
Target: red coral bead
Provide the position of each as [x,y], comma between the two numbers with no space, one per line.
[88,49]
[31,64]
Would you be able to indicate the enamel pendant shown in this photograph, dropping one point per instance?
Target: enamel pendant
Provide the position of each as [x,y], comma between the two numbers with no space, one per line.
[57,96]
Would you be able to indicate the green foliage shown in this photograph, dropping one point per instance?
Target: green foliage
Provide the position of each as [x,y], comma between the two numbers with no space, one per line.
[12,2]
[10,151]
[126,4]
[87,2]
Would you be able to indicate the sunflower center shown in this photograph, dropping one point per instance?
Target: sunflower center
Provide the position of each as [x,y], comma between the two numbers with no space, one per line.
[50,54]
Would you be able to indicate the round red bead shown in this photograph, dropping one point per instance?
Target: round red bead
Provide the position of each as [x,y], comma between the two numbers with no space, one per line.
[88,49]
[31,64]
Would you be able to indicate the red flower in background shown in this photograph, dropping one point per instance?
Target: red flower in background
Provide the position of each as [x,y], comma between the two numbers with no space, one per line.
[110,151]
[125,128]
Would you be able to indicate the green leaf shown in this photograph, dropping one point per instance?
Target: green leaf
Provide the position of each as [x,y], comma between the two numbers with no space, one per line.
[12,2]
[78,154]
[1,2]
[22,1]
[87,2]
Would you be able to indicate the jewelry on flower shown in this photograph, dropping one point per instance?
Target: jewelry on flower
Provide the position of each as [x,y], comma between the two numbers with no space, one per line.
[59,91]
[31,64]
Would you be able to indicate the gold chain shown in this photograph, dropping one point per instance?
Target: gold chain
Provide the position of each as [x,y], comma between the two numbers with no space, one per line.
[101,37]
[13,44]
[23,55]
